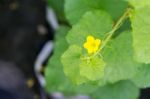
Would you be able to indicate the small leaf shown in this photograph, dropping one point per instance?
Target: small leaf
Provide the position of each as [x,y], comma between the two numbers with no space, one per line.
[71,61]
[93,70]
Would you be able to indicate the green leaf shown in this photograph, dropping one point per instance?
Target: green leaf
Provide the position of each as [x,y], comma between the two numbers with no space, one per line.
[71,61]
[109,6]
[96,23]
[54,75]
[141,34]
[92,70]
[142,79]
[120,90]
[60,34]
[86,88]
[118,57]
[75,9]
[139,3]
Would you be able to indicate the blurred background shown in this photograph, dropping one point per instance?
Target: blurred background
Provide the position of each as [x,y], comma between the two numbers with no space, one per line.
[26,41]
[24,30]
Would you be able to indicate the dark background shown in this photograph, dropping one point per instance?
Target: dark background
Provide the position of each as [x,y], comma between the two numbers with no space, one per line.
[20,43]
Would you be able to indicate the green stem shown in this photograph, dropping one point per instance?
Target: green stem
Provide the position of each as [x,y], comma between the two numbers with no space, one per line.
[116,26]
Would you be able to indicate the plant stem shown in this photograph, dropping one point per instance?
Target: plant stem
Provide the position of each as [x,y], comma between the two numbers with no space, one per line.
[116,26]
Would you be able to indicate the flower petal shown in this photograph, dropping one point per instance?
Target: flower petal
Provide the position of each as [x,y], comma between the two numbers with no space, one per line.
[95,49]
[87,45]
[92,44]
[90,50]
[90,39]
[97,42]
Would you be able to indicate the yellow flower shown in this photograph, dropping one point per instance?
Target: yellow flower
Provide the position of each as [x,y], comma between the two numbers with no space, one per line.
[92,44]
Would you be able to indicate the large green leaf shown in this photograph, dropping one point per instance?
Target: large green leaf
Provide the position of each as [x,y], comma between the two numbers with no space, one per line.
[141,34]
[120,90]
[96,23]
[118,57]
[142,79]
[75,9]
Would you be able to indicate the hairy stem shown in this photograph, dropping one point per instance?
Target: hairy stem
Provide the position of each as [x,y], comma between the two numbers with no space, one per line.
[116,26]
[110,34]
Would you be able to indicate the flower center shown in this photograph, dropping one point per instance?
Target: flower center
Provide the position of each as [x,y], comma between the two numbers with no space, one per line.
[93,45]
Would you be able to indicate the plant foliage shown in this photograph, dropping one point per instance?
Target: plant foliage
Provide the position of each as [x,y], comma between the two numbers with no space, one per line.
[120,66]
